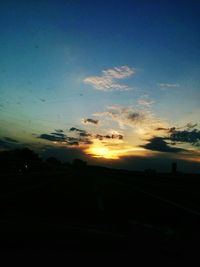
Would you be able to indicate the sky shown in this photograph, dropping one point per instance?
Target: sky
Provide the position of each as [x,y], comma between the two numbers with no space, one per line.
[115,83]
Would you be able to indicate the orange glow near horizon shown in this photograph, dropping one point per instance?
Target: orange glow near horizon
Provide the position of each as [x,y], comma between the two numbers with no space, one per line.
[102,152]
[99,150]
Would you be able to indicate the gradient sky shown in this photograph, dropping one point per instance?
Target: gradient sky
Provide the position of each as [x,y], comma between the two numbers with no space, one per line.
[114,82]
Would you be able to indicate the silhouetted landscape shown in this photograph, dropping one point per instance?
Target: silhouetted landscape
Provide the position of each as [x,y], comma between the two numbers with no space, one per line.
[56,207]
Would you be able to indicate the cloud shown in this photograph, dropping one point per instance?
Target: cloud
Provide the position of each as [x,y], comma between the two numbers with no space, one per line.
[132,117]
[52,137]
[81,137]
[136,116]
[8,143]
[107,81]
[84,134]
[119,72]
[62,139]
[92,121]
[88,142]
[74,129]
[185,136]
[10,139]
[159,144]
[169,85]
[113,136]
[59,138]
[167,130]
[190,125]
[4,144]
[104,83]
[145,102]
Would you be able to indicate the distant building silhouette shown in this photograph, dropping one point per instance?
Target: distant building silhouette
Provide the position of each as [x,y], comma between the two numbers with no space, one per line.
[174,167]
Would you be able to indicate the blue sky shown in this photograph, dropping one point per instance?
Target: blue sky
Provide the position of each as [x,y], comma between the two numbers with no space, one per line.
[145,54]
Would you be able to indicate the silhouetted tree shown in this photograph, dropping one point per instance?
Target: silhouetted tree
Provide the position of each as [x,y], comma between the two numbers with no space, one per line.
[26,154]
[79,163]
[53,161]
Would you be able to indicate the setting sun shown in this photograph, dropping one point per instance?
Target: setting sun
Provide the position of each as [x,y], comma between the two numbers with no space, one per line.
[99,151]
[113,151]
[102,152]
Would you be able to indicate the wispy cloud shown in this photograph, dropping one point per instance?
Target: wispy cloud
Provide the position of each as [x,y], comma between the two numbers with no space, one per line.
[119,72]
[139,119]
[145,102]
[107,81]
[169,85]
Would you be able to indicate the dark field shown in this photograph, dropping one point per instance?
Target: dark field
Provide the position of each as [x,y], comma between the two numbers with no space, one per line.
[97,210]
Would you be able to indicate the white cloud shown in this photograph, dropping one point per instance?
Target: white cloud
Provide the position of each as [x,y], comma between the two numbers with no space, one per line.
[169,85]
[119,73]
[106,82]
[145,102]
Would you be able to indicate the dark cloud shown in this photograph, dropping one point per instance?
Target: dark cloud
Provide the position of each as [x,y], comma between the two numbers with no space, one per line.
[81,137]
[88,142]
[134,116]
[74,129]
[188,135]
[159,144]
[91,121]
[51,137]
[81,133]
[67,140]
[10,139]
[191,137]
[60,138]
[168,130]
[112,136]
[73,143]
[161,129]
[84,134]
[4,144]
[9,143]
[188,126]
[72,139]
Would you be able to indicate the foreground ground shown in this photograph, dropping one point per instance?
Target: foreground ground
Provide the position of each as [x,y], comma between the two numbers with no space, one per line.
[101,211]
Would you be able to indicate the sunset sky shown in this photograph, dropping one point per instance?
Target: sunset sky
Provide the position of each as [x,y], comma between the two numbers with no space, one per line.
[116,83]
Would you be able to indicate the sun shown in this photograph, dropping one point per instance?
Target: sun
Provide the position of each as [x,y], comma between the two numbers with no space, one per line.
[113,151]
[98,151]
